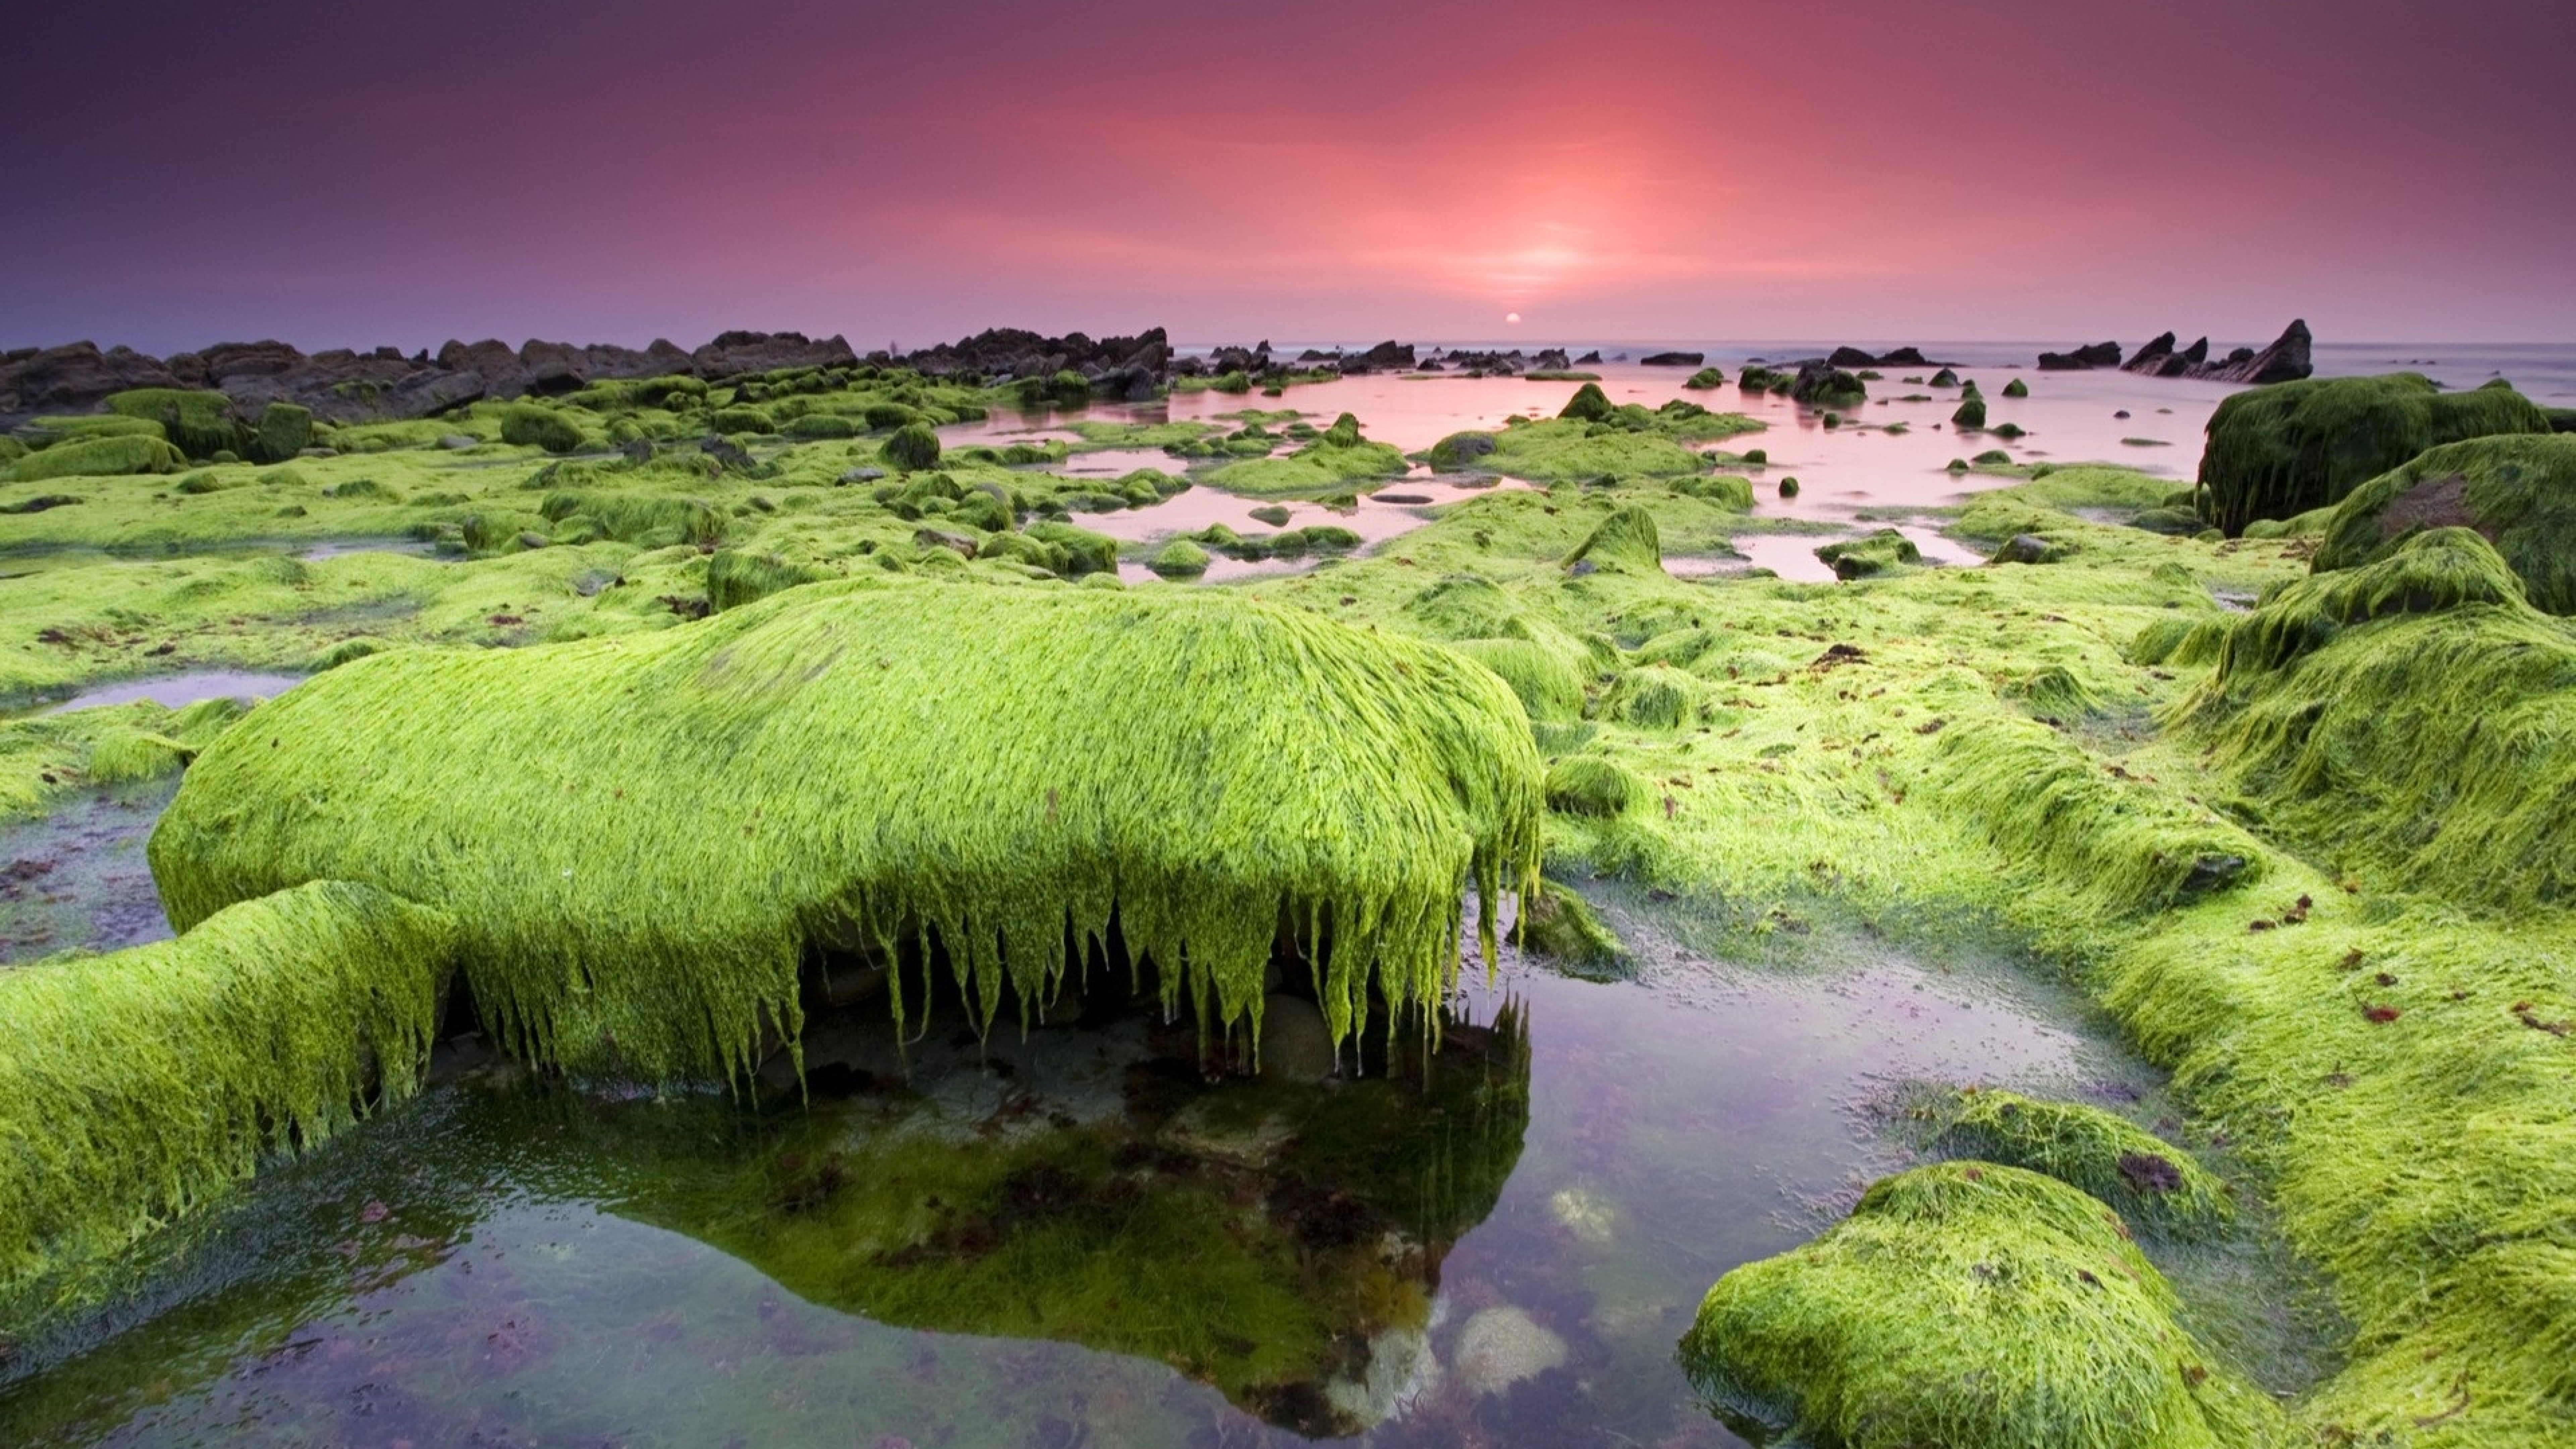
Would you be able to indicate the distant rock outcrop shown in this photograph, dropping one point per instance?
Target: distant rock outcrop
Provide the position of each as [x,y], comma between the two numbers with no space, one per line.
[2100,354]
[1674,359]
[2286,360]
[1852,357]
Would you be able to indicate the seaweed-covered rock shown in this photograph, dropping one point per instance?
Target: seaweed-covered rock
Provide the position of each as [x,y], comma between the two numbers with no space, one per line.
[1547,681]
[1821,384]
[1594,786]
[1457,451]
[111,456]
[1589,404]
[1971,413]
[2517,491]
[138,1085]
[912,448]
[642,837]
[1559,924]
[285,430]
[199,423]
[2150,1182]
[1706,378]
[1881,551]
[532,425]
[2017,388]
[2031,548]
[1626,541]
[2284,449]
[1179,559]
[1968,1303]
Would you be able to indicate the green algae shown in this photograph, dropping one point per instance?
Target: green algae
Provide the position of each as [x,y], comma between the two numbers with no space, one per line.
[1591,785]
[533,425]
[1626,541]
[2293,446]
[136,1086]
[1969,1303]
[2152,1184]
[1179,559]
[112,455]
[1337,458]
[1127,764]
[1877,552]
[2516,491]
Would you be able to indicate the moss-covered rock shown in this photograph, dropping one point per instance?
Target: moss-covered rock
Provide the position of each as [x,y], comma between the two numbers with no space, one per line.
[139,1085]
[1459,450]
[829,766]
[198,423]
[530,425]
[912,448]
[1968,1304]
[2516,491]
[2016,388]
[1970,414]
[1881,551]
[1589,404]
[1593,786]
[285,430]
[113,456]
[1562,926]
[2284,449]
[1179,559]
[2151,1183]
[1625,542]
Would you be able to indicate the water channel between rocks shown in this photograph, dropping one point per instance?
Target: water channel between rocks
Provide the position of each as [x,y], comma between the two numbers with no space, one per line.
[1073,1237]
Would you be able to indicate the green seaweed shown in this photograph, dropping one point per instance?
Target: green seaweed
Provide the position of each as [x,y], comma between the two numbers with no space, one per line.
[2516,491]
[1969,1303]
[633,898]
[2151,1183]
[137,1086]
[2293,446]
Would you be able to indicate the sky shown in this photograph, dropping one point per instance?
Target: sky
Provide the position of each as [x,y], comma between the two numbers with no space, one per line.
[339,174]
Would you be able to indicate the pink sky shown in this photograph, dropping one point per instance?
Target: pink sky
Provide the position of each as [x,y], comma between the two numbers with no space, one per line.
[1872,171]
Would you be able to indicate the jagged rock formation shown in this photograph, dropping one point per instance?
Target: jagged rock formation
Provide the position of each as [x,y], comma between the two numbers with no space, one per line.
[1851,357]
[2286,360]
[2100,354]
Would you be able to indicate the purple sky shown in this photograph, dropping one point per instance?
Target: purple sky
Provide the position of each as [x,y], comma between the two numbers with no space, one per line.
[340,174]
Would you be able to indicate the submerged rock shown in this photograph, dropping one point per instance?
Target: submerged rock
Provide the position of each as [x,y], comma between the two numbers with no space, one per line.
[1503,1346]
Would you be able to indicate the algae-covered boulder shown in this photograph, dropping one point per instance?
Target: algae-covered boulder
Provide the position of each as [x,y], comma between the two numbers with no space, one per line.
[284,431]
[1878,552]
[1624,542]
[1589,404]
[135,1086]
[642,836]
[1547,681]
[2518,492]
[1967,1304]
[912,448]
[530,425]
[2148,1181]
[1557,923]
[1458,450]
[736,577]
[1971,413]
[1179,559]
[199,423]
[2284,449]
[1591,785]
[112,456]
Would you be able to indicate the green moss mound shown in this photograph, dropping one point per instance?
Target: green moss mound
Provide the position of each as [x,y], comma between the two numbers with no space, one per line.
[641,837]
[1179,559]
[1547,681]
[1590,785]
[2284,449]
[912,448]
[1589,404]
[138,1085]
[199,423]
[1562,926]
[112,456]
[1968,1304]
[2148,1181]
[1879,552]
[2342,709]
[2516,491]
[285,430]
[1625,542]
[528,425]
[1971,413]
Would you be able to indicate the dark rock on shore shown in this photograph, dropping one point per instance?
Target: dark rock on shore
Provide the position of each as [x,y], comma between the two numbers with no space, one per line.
[1853,357]
[1589,359]
[1674,359]
[2100,354]
[2286,360]
[1820,383]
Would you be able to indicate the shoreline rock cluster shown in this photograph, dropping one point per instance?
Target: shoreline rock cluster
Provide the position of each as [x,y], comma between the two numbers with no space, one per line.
[2286,360]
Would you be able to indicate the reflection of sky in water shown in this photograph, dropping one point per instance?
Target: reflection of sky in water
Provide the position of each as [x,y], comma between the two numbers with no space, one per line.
[2070,417]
